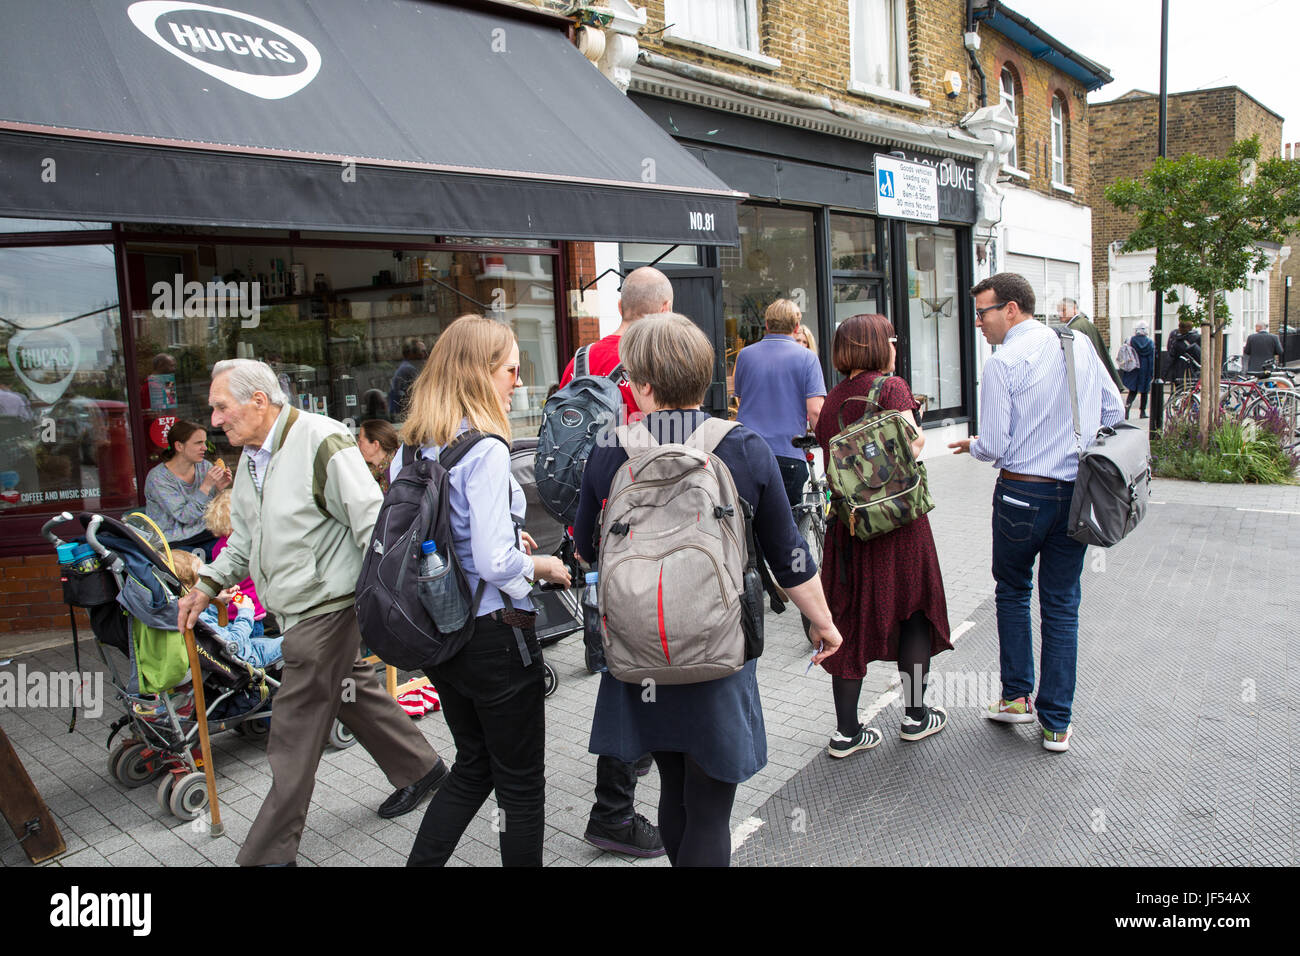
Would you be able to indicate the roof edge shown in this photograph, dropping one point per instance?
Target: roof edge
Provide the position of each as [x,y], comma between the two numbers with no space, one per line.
[994,8]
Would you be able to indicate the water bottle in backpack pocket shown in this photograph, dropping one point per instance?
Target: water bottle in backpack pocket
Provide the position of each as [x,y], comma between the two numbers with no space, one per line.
[440,592]
[592,637]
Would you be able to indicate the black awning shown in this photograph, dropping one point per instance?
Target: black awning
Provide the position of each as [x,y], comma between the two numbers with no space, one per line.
[375,115]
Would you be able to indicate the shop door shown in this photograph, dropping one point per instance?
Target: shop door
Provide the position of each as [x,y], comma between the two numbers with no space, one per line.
[696,295]
[854,297]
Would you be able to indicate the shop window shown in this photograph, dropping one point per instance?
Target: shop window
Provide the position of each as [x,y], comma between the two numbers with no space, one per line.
[49,225]
[729,27]
[878,32]
[335,323]
[1052,280]
[65,437]
[776,260]
[642,253]
[1059,144]
[853,244]
[1007,87]
[934,317]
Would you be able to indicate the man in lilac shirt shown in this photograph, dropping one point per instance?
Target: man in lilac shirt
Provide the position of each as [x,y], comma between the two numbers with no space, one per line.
[781,390]
[1027,431]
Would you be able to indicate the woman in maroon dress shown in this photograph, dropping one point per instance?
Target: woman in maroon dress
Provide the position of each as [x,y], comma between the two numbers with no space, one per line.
[886,595]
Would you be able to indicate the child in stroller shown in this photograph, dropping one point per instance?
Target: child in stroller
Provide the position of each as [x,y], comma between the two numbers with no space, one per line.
[130,591]
[240,636]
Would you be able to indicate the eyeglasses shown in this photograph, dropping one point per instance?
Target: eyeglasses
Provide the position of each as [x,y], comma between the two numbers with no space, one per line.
[979,313]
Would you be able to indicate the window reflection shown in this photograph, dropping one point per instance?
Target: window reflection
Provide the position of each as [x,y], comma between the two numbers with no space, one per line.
[934,316]
[65,438]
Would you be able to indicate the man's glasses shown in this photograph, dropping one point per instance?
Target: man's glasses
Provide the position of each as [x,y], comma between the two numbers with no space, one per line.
[979,313]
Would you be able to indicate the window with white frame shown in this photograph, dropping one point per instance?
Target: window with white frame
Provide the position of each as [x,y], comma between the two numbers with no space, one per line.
[1008,88]
[725,24]
[1254,304]
[878,32]
[1058,141]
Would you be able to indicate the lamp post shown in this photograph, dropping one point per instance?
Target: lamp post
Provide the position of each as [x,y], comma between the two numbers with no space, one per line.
[1158,386]
[1286,317]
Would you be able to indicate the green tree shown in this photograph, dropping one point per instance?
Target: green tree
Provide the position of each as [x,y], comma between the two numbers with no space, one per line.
[1206,219]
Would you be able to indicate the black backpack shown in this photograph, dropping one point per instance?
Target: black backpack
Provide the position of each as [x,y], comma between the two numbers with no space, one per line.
[572,420]
[390,614]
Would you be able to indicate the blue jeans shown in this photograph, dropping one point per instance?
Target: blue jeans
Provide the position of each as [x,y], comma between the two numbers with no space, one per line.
[1030,521]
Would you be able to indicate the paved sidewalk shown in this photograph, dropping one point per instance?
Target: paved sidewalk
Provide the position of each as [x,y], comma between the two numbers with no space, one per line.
[1186,721]
[1188,639]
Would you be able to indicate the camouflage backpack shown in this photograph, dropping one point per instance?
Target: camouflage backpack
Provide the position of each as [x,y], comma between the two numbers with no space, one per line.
[877,485]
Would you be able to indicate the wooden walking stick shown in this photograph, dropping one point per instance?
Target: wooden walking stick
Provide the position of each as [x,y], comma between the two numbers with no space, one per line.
[201,715]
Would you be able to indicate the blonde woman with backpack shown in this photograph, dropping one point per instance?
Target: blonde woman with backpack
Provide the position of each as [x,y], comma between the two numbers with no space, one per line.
[886,594]
[706,737]
[492,690]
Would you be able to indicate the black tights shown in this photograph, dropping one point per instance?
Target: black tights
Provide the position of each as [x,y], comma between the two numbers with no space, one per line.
[694,812]
[1142,409]
[913,663]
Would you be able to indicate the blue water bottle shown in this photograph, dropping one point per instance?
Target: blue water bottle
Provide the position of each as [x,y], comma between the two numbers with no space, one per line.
[591,630]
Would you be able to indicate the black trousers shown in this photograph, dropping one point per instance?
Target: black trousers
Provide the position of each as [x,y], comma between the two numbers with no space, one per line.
[494,707]
[616,789]
[794,474]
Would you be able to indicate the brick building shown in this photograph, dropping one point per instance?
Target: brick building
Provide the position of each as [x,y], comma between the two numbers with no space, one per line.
[791,101]
[1124,144]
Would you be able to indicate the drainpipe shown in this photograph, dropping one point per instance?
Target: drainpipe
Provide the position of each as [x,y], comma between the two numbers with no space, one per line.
[972,40]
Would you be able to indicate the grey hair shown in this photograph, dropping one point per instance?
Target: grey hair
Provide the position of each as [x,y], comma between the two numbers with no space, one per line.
[248,376]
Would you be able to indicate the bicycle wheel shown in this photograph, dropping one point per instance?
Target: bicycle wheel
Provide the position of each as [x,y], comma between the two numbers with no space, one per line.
[811,524]
[1286,405]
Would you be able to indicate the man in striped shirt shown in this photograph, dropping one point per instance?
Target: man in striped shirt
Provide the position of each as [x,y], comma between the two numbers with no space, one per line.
[1027,432]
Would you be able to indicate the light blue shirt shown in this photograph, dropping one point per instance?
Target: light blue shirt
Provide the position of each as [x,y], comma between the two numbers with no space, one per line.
[258,462]
[1026,425]
[483,524]
[774,379]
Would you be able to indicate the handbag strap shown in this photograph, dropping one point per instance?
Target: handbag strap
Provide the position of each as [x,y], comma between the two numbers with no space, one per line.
[1063,335]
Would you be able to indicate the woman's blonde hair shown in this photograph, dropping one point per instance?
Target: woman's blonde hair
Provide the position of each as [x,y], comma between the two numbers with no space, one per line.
[809,341]
[669,353]
[216,516]
[456,383]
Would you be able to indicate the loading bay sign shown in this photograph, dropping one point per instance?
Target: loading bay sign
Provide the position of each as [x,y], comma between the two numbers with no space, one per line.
[906,190]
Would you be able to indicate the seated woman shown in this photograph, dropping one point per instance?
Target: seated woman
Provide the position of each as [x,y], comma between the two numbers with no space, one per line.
[177,491]
[708,737]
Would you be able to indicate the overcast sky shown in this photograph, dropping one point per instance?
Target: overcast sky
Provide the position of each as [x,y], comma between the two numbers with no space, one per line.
[1247,43]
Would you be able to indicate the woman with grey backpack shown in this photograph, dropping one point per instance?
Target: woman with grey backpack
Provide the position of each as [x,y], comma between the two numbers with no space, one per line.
[706,735]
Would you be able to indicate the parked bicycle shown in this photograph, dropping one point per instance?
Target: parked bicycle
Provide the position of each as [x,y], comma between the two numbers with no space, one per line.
[1249,396]
[811,511]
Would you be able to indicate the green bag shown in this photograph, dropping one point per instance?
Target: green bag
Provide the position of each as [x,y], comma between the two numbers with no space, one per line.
[876,483]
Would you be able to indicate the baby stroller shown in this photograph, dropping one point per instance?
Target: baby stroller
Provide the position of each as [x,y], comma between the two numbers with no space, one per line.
[120,572]
[559,612]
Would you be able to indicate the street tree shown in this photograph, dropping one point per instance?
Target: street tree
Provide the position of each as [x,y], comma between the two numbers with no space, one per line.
[1206,218]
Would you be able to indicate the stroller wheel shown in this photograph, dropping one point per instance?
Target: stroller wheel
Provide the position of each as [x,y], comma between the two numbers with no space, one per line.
[550,678]
[115,755]
[138,765]
[189,796]
[340,737]
[256,729]
[164,794]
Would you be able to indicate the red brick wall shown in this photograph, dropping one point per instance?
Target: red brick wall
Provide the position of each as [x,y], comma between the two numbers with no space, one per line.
[31,598]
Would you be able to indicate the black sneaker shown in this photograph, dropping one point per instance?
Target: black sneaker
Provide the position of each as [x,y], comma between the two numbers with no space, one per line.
[637,837]
[932,721]
[864,739]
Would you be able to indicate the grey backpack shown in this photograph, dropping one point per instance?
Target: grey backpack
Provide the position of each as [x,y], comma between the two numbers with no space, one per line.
[1114,481]
[673,560]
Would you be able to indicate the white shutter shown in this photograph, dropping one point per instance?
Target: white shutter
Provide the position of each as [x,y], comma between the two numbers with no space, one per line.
[1062,283]
[1032,268]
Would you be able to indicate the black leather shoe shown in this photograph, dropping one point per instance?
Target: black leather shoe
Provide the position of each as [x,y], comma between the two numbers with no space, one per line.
[408,798]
